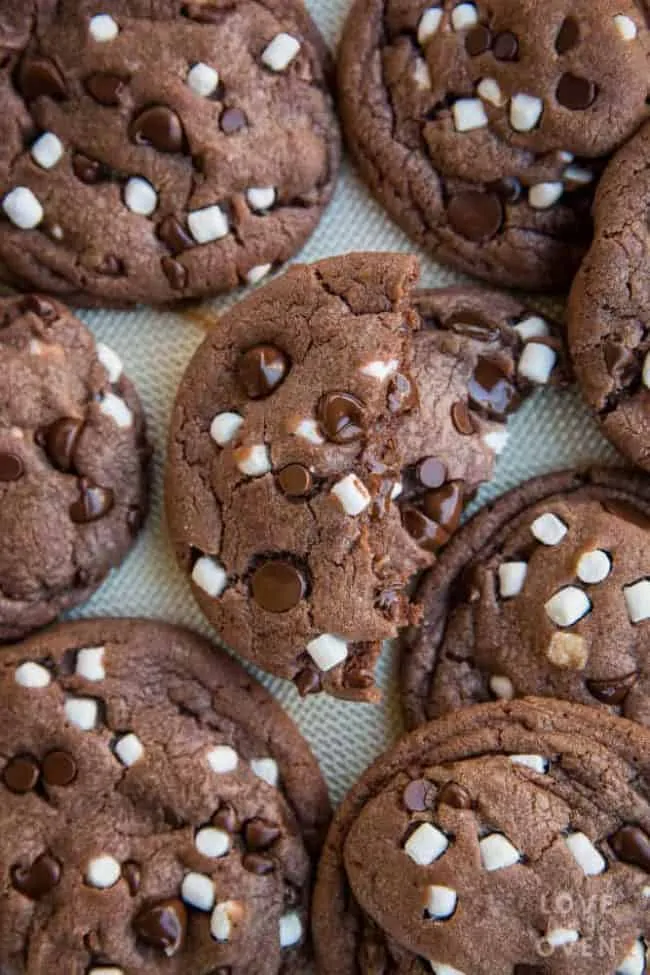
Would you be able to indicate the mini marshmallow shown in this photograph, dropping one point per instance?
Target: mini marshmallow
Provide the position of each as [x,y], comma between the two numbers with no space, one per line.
[441,902]
[380,370]
[542,196]
[116,408]
[537,763]
[208,224]
[637,600]
[512,576]
[327,651]
[585,854]
[210,576]
[561,936]
[525,112]
[396,490]
[106,971]
[308,430]
[537,362]
[568,606]
[258,273]
[225,427]
[198,891]
[32,675]
[646,371]
[103,872]
[23,208]
[103,28]
[221,922]
[429,23]
[90,663]
[564,156]
[463,16]
[497,440]
[626,27]
[203,80]
[352,494]
[140,196]
[290,929]
[129,749]
[47,150]
[82,712]
[469,114]
[578,174]
[422,75]
[253,461]
[489,90]
[568,650]
[498,853]
[212,843]
[110,361]
[267,770]
[279,54]
[223,759]
[646,891]
[634,961]
[532,327]
[502,687]
[426,844]
[548,529]
[439,968]
[594,567]
[261,198]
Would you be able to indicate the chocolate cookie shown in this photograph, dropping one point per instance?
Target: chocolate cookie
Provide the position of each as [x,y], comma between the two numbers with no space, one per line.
[324,441]
[73,463]
[508,839]
[160,150]
[482,127]
[544,592]
[160,811]
[608,307]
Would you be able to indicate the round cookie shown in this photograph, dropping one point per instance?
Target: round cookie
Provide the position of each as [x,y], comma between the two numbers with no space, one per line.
[160,151]
[544,592]
[324,441]
[160,810]
[608,307]
[507,838]
[482,127]
[74,462]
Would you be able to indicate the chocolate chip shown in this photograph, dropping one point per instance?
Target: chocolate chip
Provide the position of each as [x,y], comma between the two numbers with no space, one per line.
[529,970]
[233,120]
[490,390]
[172,232]
[402,394]
[478,40]
[260,835]
[631,845]
[59,769]
[295,481]
[426,533]
[621,363]
[431,472]
[60,441]
[508,189]
[505,46]
[132,875]
[40,76]
[93,503]
[87,170]
[257,864]
[11,467]
[20,774]
[110,265]
[308,681]
[474,215]
[226,819]
[175,272]
[454,795]
[418,795]
[39,306]
[342,417]
[278,586]
[576,93]
[357,677]
[445,505]
[568,35]
[159,127]
[262,370]
[462,419]
[105,88]
[163,925]
[473,325]
[612,691]
[39,879]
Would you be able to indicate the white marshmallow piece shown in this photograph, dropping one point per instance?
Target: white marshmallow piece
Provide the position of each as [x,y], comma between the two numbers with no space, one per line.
[221,922]
[198,891]
[489,90]
[626,27]
[634,961]
[23,208]
[502,687]
[352,494]
[103,872]
[280,52]
[212,843]
[426,845]
[594,567]
[267,770]
[225,427]
[47,150]
[429,23]
[110,361]
[223,759]
[441,902]
[90,663]
[542,196]
[290,929]
[469,114]
[82,712]
[585,854]
[202,79]
[533,327]
[637,600]
[253,461]
[103,28]
[208,224]
[565,156]
[525,112]
[106,971]
[646,891]
[258,273]
[396,490]
[537,763]
[463,16]
[548,529]
[140,196]
[129,749]
[512,576]
[439,968]
[497,440]
[309,430]
[578,174]
[421,75]
[567,606]
[261,198]
[537,363]
[210,576]
[32,675]
[380,370]
[327,651]
[115,407]
[498,853]
[559,937]
[646,371]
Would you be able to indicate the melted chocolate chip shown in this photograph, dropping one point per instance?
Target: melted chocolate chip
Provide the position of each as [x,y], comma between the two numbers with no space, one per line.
[159,127]
[93,503]
[431,472]
[59,769]
[490,390]
[632,845]
[105,88]
[39,306]
[60,441]
[110,265]
[163,925]
[226,819]
[612,691]
[260,835]
[418,795]
[132,875]
[426,533]
[445,505]
[357,677]
[628,512]
[39,879]
[295,481]
[21,774]
[11,467]
[473,325]
[402,394]
[172,232]
[175,272]
[505,46]
[478,40]
[474,215]
[308,681]
[87,170]
[278,586]
[342,417]
[454,795]
[262,370]
[40,76]
[257,864]
[621,363]
[529,970]
[576,93]
[462,419]
[568,35]
[508,189]
[233,120]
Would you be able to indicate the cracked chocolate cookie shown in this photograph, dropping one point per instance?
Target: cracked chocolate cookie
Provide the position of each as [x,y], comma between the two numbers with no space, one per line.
[482,127]
[161,811]
[545,592]
[608,308]
[73,463]
[160,150]
[530,819]
[324,441]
